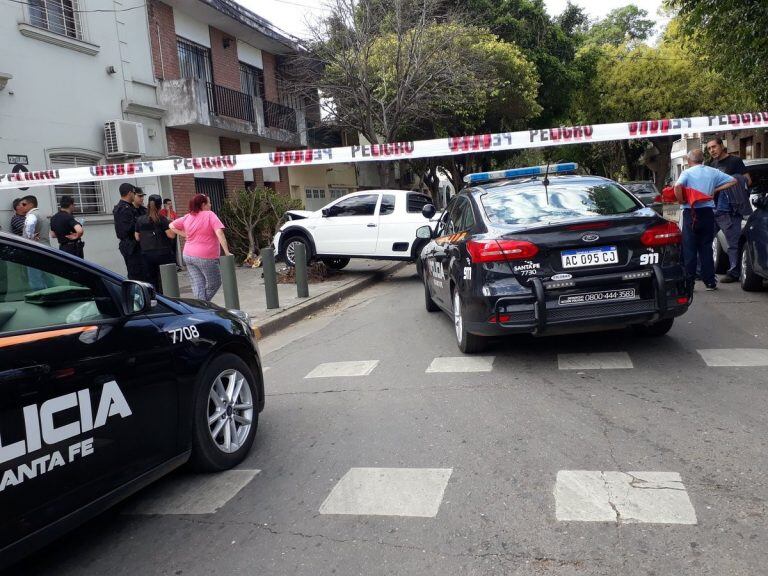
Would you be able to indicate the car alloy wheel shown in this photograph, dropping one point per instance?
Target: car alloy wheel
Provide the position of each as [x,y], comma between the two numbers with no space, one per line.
[458,323]
[290,251]
[230,410]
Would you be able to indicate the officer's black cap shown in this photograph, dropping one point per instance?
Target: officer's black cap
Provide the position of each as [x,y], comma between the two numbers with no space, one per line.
[126,188]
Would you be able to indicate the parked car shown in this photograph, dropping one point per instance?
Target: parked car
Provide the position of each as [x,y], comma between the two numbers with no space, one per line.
[551,254]
[754,243]
[644,190]
[105,387]
[379,224]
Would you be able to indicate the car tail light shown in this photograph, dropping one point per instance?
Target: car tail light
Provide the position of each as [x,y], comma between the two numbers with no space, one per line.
[661,235]
[496,250]
[682,300]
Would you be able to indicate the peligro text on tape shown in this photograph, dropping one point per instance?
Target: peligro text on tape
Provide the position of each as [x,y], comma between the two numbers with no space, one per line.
[535,138]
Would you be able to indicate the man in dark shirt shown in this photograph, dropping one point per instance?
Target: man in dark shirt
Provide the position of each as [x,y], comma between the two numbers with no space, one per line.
[124,213]
[727,219]
[138,201]
[17,220]
[66,229]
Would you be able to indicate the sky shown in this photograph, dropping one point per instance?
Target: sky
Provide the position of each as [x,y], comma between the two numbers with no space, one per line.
[291,15]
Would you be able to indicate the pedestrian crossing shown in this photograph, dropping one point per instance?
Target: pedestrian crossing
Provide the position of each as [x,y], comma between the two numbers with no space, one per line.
[619,360]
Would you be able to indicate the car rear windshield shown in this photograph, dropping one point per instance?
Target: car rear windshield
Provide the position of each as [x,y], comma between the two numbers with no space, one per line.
[536,204]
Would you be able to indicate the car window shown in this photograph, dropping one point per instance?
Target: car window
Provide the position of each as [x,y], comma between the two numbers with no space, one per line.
[364,205]
[416,202]
[387,204]
[445,226]
[534,204]
[464,218]
[37,292]
[641,187]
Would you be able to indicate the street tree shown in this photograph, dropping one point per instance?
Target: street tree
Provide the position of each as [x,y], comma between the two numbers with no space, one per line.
[628,24]
[733,35]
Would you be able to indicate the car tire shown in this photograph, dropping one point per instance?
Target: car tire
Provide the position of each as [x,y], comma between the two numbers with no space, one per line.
[656,329]
[468,343]
[232,381]
[750,282]
[336,263]
[289,249]
[720,256]
[429,304]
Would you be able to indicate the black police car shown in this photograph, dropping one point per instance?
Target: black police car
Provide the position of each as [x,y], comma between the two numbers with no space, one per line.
[105,387]
[754,244]
[535,251]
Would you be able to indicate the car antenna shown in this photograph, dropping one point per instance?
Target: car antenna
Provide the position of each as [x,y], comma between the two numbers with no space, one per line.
[546,183]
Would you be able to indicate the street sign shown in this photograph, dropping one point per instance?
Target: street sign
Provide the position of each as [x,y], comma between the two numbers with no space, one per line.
[18,159]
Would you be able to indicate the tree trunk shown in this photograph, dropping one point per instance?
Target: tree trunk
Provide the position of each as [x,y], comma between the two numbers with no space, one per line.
[664,145]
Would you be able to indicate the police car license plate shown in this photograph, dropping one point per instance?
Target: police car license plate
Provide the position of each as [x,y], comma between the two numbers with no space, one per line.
[601,296]
[589,257]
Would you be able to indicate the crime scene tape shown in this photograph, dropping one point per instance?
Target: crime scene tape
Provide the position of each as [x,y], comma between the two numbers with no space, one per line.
[540,138]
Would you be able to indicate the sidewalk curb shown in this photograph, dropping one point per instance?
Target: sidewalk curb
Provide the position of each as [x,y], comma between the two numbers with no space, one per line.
[284,319]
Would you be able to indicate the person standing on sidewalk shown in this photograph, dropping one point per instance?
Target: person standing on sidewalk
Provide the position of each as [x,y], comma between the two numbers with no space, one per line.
[66,229]
[154,236]
[727,215]
[17,220]
[170,214]
[204,234]
[695,191]
[36,227]
[124,213]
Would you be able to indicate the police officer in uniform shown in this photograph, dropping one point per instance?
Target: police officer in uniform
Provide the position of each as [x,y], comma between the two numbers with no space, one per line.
[125,226]
[66,229]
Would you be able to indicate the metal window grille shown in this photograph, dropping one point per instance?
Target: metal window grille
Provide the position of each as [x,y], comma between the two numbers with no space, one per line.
[279,116]
[251,80]
[194,60]
[58,16]
[89,196]
[214,189]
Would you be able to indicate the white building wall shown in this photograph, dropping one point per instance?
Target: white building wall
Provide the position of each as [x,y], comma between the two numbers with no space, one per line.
[60,96]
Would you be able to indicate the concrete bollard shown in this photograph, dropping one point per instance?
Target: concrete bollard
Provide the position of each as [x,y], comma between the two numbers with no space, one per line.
[270,277]
[302,284]
[169,280]
[229,282]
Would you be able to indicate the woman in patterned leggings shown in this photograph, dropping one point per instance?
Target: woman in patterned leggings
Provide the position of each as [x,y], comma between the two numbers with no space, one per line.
[204,233]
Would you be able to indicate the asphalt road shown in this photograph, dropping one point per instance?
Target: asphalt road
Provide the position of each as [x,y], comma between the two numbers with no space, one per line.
[488,461]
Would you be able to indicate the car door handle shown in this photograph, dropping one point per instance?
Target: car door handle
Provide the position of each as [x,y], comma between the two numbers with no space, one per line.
[371,225]
[26,372]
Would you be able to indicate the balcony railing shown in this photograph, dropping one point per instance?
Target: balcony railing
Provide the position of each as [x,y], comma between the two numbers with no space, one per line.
[279,116]
[227,102]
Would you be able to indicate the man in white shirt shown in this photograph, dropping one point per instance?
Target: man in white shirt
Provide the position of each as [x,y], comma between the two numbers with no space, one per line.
[35,226]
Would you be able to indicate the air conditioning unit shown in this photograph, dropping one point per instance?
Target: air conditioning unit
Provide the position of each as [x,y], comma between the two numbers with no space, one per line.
[123,138]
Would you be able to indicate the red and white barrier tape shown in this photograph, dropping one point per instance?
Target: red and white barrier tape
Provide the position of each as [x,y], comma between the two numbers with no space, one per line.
[393,151]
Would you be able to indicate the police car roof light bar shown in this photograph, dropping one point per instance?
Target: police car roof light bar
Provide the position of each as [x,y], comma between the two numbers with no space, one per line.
[546,169]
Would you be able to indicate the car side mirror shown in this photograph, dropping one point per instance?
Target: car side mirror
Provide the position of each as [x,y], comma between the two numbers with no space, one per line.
[424,232]
[330,211]
[428,210]
[138,297]
[326,212]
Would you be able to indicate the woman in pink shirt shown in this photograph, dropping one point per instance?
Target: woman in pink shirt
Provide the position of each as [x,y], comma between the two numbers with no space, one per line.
[204,233]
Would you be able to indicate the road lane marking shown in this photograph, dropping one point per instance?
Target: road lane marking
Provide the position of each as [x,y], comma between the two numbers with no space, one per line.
[622,497]
[462,364]
[594,361]
[343,369]
[388,492]
[190,493]
[735,356]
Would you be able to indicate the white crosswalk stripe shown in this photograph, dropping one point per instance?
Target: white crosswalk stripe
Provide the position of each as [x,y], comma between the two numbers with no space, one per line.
[594,361]
[191,493]
[735,356]
[343,369]
[622,497]
[462,364]
[389,492]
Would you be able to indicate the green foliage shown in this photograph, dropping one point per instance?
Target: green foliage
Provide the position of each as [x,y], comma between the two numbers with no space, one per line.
[252,217]
[733,35]
[628,24]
